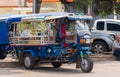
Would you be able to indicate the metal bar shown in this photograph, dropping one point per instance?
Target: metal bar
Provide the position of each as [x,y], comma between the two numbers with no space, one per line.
[19,5]
[33,6]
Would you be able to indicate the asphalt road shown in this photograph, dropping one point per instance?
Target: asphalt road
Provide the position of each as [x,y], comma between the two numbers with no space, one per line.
[101,69]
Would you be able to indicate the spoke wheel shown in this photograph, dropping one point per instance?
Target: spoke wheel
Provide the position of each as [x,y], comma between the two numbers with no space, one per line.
[3,56]
[86,64]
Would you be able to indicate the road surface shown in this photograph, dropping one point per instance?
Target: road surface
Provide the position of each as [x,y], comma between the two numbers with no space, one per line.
[101,69]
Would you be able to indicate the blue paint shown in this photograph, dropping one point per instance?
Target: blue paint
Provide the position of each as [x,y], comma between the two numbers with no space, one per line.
[32,52]
[85,48]
[88,53]
[3,33]
[12,19]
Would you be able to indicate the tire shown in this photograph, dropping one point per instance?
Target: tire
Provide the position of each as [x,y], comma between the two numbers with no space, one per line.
[86,64]
[99,47]
[2,57]
[28,61]
[57,64]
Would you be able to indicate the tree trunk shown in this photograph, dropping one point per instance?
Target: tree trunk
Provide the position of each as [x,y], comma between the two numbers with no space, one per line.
[25,3]
[70,8]
[67,8]
[37,6]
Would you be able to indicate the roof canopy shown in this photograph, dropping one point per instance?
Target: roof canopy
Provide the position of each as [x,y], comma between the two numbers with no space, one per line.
[45,16]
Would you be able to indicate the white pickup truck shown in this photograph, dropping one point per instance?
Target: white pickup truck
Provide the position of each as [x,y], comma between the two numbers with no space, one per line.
[103,33]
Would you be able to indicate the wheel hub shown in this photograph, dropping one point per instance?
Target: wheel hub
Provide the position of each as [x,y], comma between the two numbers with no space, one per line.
[84,64]
[27,61]
[98,48]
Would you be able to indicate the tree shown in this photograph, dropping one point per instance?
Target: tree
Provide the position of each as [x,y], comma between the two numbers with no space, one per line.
[69,6]
[25,3]
[99,7]
[77,6]
[105,7]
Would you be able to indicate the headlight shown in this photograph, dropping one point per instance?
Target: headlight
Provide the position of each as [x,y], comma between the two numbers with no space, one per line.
[49,50]
[87,41]
[91,40]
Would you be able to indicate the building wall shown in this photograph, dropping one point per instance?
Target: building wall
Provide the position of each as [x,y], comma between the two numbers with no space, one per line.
[11,7]
[7,11]
[51,7]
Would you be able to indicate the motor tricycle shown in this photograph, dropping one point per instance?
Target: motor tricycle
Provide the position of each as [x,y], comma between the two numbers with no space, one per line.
[46,38]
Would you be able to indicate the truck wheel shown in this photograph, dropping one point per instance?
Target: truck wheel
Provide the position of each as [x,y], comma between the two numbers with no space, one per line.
[28,61]
[86,64]
[56,64]
[2,56]
[99,47]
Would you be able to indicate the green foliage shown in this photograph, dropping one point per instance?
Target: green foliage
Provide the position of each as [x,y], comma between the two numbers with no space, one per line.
[80,4]
[99,7]
[118,8]
[105,8]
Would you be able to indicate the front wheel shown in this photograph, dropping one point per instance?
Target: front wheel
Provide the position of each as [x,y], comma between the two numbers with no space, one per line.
[56,64]
[28,61]
[86,64]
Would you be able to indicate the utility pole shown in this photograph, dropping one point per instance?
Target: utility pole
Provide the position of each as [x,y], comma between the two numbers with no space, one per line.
[114,10]
[19,5]
[115,14]
[33,6]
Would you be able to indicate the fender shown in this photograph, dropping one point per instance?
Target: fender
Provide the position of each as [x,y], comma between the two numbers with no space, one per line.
[85,48]
[33,53]
[88,52]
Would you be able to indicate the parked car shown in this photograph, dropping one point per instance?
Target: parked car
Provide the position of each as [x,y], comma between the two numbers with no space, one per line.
[107,26]
[103,33]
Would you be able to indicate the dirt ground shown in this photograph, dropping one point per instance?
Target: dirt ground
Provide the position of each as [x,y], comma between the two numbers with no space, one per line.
[10,68]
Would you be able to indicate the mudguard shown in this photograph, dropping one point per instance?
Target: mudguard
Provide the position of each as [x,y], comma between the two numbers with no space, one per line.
[33,53]
[87,52]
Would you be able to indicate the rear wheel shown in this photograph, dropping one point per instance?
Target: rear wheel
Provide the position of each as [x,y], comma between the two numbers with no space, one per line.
[28,61]
[86,64]
[3,56]
[57,64]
